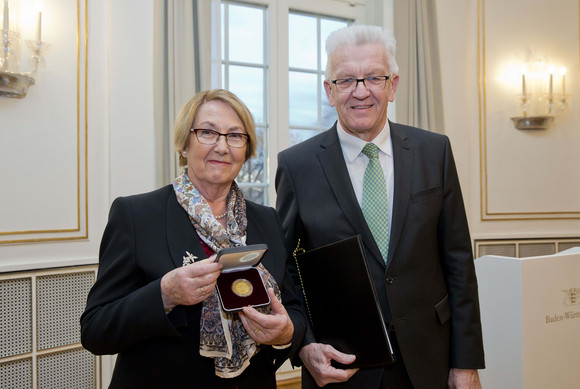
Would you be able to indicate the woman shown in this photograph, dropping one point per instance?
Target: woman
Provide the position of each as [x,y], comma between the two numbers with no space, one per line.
[154,301]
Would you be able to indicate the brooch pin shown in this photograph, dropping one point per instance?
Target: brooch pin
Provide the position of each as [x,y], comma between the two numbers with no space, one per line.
[188,259]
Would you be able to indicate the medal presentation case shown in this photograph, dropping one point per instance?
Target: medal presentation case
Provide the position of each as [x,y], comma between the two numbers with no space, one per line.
[240,284]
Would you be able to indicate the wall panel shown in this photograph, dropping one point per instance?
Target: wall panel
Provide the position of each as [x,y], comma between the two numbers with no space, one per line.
[527,174]
[43,149]
[40,329]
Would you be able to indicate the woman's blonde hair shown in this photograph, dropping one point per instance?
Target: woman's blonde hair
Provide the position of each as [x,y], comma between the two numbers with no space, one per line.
[186,116]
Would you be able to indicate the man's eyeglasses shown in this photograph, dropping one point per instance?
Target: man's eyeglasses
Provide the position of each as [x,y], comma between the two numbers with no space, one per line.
[210,137]
[347,85]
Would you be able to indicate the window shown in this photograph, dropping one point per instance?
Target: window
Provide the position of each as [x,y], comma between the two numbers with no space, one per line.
[251,52]
[309,112]
[244,72]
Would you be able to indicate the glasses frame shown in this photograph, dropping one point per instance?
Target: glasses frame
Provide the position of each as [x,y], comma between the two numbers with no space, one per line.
[352,89]
[227,136]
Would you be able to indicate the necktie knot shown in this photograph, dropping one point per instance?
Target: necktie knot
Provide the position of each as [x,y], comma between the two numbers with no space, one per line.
[371,150]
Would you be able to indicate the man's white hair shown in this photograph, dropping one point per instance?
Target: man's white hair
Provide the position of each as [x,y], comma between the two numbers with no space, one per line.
[360,35]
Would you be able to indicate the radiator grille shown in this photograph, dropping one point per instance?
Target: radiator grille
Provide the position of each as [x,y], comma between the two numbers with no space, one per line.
[40,329]
[521,248]
[562,246]
[15,317]
[504,250]
[537,249]
[16,374]
[61,300]
[74,369]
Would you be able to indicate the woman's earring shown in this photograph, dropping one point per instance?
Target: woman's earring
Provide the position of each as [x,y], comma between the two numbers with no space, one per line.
[184,153]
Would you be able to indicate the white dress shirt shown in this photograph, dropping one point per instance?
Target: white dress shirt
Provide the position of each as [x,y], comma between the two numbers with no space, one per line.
[356,161]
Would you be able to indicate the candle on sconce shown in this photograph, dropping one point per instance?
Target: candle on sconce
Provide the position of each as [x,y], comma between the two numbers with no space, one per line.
[39,27]
[38,22]
[551,89]
[6,24]
[563,73]
[524,85]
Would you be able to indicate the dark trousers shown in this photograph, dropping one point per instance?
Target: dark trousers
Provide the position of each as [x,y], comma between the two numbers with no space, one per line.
[395,375]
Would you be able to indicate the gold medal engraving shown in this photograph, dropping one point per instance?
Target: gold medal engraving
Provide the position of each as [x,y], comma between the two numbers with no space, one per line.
[242,287]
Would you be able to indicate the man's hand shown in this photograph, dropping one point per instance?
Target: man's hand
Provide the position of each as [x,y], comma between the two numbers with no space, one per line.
[317,356]
[463,379]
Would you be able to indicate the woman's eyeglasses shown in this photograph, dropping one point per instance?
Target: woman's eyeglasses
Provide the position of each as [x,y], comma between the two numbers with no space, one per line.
[210,137]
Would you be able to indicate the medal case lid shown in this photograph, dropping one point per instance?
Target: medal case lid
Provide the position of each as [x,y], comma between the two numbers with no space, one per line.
[241,257]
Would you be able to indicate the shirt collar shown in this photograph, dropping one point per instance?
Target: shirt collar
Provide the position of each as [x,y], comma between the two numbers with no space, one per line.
[352,146]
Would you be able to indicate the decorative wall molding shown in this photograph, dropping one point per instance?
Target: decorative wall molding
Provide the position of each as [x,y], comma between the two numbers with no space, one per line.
[44,157]
[527,175]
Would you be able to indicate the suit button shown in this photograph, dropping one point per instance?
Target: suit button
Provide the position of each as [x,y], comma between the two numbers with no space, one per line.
[390,280]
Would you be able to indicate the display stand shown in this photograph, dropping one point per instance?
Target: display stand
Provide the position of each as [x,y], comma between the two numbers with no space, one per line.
[530,312]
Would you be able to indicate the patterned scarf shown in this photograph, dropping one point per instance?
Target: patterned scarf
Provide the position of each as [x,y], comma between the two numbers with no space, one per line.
[222,334]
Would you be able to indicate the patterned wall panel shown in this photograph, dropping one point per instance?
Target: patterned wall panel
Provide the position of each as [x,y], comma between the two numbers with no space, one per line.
[562,246]
[74,369]
[61,300]
[537,249]
[504,250]
[16,374]
[522,248]
[40,331]
[16,317]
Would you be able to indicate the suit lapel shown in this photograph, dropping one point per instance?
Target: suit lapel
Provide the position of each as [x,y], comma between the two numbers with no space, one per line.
[181,235]
[332,161]
[403,168]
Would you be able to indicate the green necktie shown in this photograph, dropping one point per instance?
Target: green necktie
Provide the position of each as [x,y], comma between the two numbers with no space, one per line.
[375,203]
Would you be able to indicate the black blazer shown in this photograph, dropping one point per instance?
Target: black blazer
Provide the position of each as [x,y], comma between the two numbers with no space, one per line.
[147,236]
[429,290]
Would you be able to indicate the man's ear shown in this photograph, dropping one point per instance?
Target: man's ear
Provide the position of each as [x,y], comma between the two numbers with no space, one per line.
[328,93]
[394,84]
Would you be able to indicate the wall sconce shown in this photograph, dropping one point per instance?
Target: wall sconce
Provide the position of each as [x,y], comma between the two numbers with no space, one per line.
[539,104]
[14,83]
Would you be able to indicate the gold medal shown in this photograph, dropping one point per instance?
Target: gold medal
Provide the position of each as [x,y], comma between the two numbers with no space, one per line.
[242,287]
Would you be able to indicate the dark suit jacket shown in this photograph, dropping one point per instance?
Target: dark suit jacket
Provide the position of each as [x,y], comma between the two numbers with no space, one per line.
[429,290]
[147,236]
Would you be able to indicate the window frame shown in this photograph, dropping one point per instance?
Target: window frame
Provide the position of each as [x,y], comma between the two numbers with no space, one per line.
[225,63]
[276,45]
[319,72]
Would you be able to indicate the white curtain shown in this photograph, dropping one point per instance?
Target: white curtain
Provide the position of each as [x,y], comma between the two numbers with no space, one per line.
[419,97]
[182,60]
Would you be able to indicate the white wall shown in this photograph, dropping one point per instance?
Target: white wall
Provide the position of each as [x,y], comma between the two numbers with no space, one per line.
[118,122]
[461,53]
[132,158]
[120,133]
[119,126]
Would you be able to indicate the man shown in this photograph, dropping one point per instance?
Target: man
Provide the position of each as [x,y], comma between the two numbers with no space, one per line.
[420,257]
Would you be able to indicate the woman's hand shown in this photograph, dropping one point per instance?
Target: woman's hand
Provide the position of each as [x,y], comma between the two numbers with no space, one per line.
[275,328]
[191,284]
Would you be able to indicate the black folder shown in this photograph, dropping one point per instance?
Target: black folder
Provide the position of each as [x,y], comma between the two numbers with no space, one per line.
[342,302]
